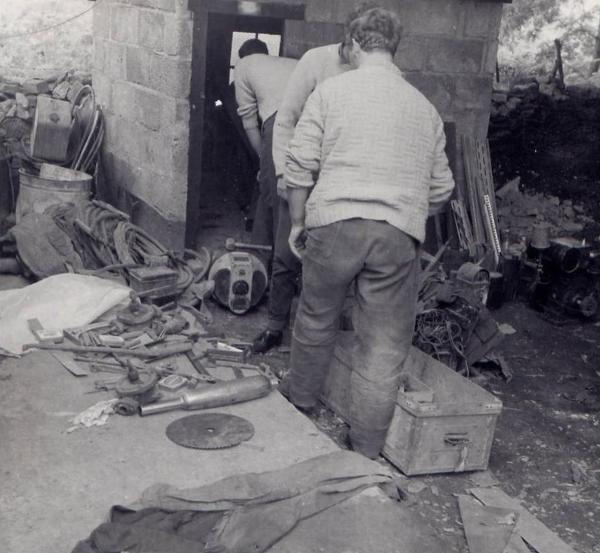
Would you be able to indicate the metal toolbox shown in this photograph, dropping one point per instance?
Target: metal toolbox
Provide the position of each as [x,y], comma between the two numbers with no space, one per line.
[442,423]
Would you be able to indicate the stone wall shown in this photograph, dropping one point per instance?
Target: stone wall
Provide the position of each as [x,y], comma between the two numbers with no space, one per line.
[142,75]
[143,72]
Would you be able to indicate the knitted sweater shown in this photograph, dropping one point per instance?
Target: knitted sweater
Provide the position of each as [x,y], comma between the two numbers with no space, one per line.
[314,67]
[260,82]
[375,145]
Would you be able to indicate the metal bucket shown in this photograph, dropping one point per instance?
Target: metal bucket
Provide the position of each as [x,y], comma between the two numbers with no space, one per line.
[54,185]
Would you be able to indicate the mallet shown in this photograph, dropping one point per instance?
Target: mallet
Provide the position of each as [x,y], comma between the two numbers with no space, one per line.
[232,245]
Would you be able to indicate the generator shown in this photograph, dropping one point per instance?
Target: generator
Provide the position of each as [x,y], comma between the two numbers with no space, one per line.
[240,281]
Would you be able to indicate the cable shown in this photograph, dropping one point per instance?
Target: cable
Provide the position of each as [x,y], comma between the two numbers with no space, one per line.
[50,27]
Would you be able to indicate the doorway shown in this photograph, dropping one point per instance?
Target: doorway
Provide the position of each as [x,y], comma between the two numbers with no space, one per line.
[223,165]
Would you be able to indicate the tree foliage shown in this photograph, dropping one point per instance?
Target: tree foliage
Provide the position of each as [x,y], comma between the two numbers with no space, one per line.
[529,28]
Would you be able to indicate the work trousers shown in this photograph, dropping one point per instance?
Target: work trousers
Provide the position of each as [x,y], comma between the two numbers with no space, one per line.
[284,274]
[265,217]
[385,263]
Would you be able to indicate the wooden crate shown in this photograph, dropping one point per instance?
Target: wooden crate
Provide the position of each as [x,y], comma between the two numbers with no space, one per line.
[451,433]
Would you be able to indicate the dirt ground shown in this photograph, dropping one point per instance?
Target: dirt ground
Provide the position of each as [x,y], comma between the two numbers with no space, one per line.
[549,426]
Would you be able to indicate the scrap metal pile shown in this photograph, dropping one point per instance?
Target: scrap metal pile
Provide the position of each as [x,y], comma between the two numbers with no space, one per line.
[453,324]
[149,355]
[95,238]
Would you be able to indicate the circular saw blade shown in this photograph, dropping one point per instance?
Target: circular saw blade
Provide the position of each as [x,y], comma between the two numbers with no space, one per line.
[210,431]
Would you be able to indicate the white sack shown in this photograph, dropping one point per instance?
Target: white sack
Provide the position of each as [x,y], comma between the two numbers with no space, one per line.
[58,302]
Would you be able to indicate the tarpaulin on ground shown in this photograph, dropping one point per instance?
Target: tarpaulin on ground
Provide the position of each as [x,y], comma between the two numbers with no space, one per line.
[58,302]
[242,513]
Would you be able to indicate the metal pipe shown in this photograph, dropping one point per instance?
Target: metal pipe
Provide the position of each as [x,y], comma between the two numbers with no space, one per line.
[215,395]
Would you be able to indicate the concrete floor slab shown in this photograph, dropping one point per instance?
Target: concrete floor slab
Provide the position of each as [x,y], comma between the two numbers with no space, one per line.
[56,486]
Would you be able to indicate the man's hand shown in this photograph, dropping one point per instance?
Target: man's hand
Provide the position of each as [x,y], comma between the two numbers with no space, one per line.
[297,240]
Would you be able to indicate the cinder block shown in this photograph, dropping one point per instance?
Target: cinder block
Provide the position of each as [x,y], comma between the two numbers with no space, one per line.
[111,123]
[124,24]
[300,36]
[123,100]
[482,19]
[337,11]
[157,151]
[132,140]
[175,111]
[473,122]
[430,17]
[491,57]
[148,108]
[438,89]
[136,65]
[157,190]
[115,58]
[178,36]
[449,55]
[152,29]
[100,61]
[473,92]
[170,75]
[412,53]
[103,89]
[179,147]
[101,25]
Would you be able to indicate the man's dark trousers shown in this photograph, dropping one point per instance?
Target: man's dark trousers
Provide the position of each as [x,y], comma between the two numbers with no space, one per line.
[284,274]
[385,263]
[265,216]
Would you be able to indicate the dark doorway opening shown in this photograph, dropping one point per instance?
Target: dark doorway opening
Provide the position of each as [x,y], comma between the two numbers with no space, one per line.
[223,165]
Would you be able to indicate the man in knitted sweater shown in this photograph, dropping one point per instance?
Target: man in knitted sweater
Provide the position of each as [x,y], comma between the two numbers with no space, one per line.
[365,168]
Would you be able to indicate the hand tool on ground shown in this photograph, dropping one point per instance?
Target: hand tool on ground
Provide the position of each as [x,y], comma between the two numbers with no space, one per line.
[210,431]
[203,374]
[74,334]
[137,315]
[231,245]
[215,395]
[139,385]
[97,368]
[143,353]
[197,295]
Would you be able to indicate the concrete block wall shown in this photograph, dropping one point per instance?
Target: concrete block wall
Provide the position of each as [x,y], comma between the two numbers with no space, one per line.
[448,52]
[142,77]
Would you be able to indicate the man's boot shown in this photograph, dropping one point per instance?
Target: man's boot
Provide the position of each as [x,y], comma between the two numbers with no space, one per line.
[267,340]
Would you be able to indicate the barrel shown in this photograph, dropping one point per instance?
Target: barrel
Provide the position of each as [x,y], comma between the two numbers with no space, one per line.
[53,185]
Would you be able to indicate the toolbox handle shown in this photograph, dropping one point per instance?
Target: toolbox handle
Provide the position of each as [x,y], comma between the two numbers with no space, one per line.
[456,438]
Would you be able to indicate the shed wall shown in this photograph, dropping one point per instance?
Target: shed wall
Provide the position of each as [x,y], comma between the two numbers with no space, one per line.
[142,74]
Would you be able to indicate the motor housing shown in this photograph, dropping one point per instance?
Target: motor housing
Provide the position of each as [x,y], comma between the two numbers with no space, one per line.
[240,281]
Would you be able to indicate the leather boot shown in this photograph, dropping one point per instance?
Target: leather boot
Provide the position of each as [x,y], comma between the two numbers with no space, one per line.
[267,340]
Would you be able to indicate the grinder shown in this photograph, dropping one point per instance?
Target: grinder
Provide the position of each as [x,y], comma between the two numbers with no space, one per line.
[240,281]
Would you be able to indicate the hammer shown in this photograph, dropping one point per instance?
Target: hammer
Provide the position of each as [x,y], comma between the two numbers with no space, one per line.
[231,245]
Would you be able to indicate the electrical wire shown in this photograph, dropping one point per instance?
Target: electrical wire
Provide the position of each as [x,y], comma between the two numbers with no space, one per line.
[50,27]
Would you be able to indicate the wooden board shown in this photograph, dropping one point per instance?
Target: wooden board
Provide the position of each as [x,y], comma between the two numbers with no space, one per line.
[487,529]
[532,530]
